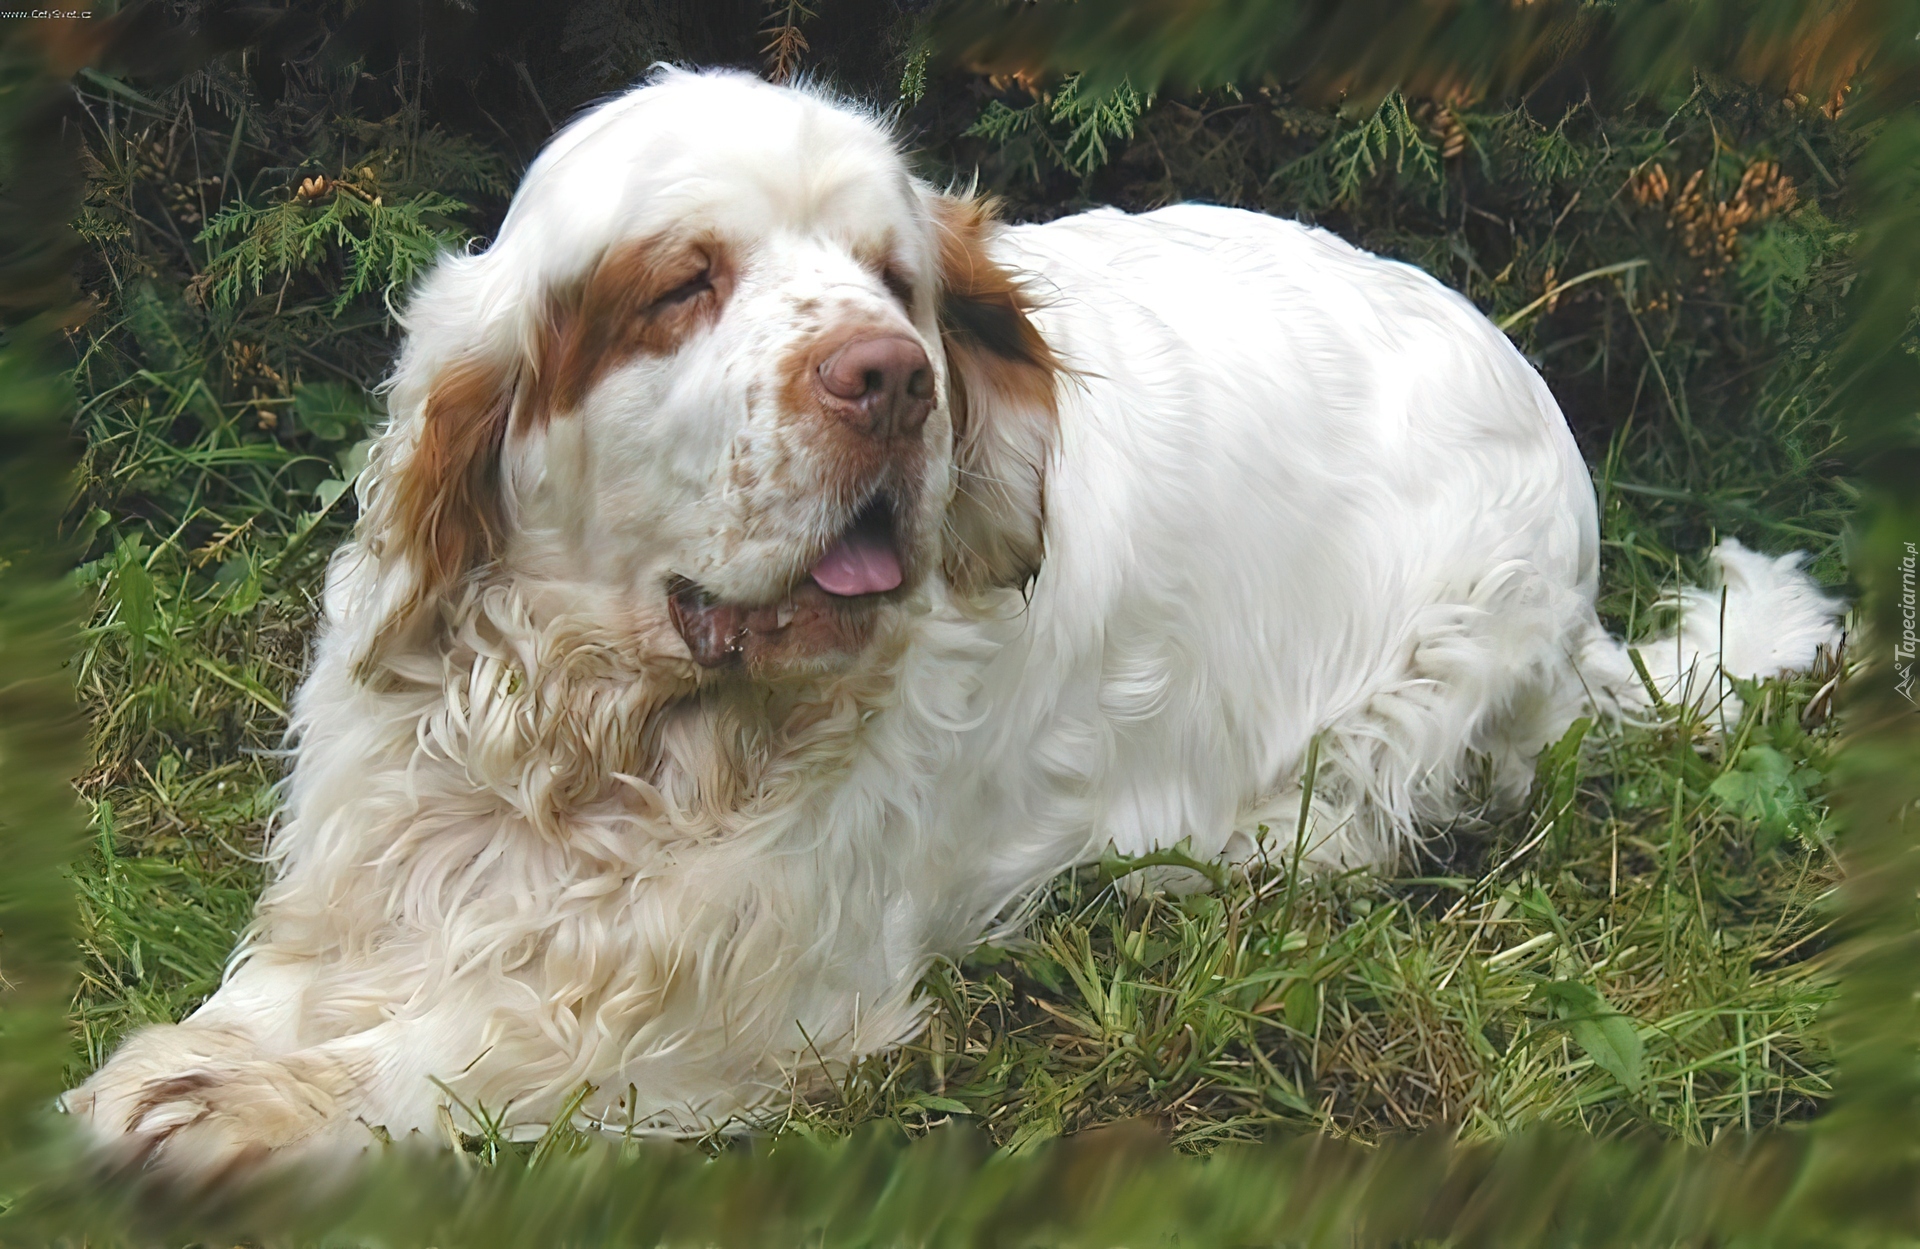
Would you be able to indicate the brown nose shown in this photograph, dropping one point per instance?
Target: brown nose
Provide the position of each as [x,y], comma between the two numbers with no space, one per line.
[881,386]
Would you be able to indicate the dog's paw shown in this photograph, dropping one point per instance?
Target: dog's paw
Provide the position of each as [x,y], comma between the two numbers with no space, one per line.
[204,1113]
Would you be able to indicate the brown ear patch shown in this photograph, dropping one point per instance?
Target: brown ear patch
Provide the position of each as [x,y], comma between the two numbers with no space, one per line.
[447,515]
[984,319]
[1002,378]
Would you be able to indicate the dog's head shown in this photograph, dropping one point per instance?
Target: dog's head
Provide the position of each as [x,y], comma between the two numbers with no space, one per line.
[730,366]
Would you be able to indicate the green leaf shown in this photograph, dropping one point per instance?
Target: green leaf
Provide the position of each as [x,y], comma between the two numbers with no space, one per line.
[240,581]
[1768,790]
[1614,1046]
[1607,1036]
[330,490]
[942,1105]
[1047,972]
[1559,769]
[986,955]
[332,411]
[114,85]
[1301,1007]
[135,586]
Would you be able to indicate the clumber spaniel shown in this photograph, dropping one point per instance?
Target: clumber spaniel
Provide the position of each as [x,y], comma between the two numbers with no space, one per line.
[774,569]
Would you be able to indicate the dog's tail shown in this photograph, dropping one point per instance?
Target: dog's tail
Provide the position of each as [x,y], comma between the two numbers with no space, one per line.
[1765,617]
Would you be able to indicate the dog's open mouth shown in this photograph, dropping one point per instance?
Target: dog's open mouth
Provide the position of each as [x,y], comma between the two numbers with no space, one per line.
[865,559]
[829,610]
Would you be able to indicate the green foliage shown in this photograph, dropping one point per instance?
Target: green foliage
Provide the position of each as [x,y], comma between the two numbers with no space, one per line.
[1781,263]
[385,245]
[1340,170]
[375,224]
[1768,789]
[333,412]
[1069,128]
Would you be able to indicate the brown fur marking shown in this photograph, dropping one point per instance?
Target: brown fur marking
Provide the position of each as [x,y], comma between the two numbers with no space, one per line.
[984,320]
[1002,379]
[447,499]
[636,301]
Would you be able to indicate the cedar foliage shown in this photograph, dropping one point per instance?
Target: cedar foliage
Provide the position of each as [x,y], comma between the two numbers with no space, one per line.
[1641,949]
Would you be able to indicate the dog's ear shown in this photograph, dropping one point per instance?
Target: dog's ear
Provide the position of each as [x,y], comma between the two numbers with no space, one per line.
[1002,380]
[434,509]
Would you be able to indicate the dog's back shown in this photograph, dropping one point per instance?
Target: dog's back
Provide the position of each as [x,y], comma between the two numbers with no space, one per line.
[1299,489]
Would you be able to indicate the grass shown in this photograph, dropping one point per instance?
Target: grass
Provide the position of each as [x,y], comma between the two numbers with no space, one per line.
[1640,951]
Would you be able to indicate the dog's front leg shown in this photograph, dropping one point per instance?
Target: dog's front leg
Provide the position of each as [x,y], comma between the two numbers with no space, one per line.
[215,1077]
[206,1100]
[232,1085]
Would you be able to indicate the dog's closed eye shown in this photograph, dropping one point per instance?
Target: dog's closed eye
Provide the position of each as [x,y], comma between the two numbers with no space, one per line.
[899,286]
[689,290]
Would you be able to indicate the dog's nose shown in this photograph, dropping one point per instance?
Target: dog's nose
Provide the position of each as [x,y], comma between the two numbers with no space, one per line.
[881,386]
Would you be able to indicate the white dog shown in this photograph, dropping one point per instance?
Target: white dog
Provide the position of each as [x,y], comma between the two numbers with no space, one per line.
[774,570]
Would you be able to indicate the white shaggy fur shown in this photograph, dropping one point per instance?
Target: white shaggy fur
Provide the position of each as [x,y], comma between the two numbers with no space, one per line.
[1294,490]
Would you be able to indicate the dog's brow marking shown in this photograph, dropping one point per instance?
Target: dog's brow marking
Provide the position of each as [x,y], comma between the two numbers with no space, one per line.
[613,314]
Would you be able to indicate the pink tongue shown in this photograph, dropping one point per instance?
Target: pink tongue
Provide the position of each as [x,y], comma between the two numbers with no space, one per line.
[858,564]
